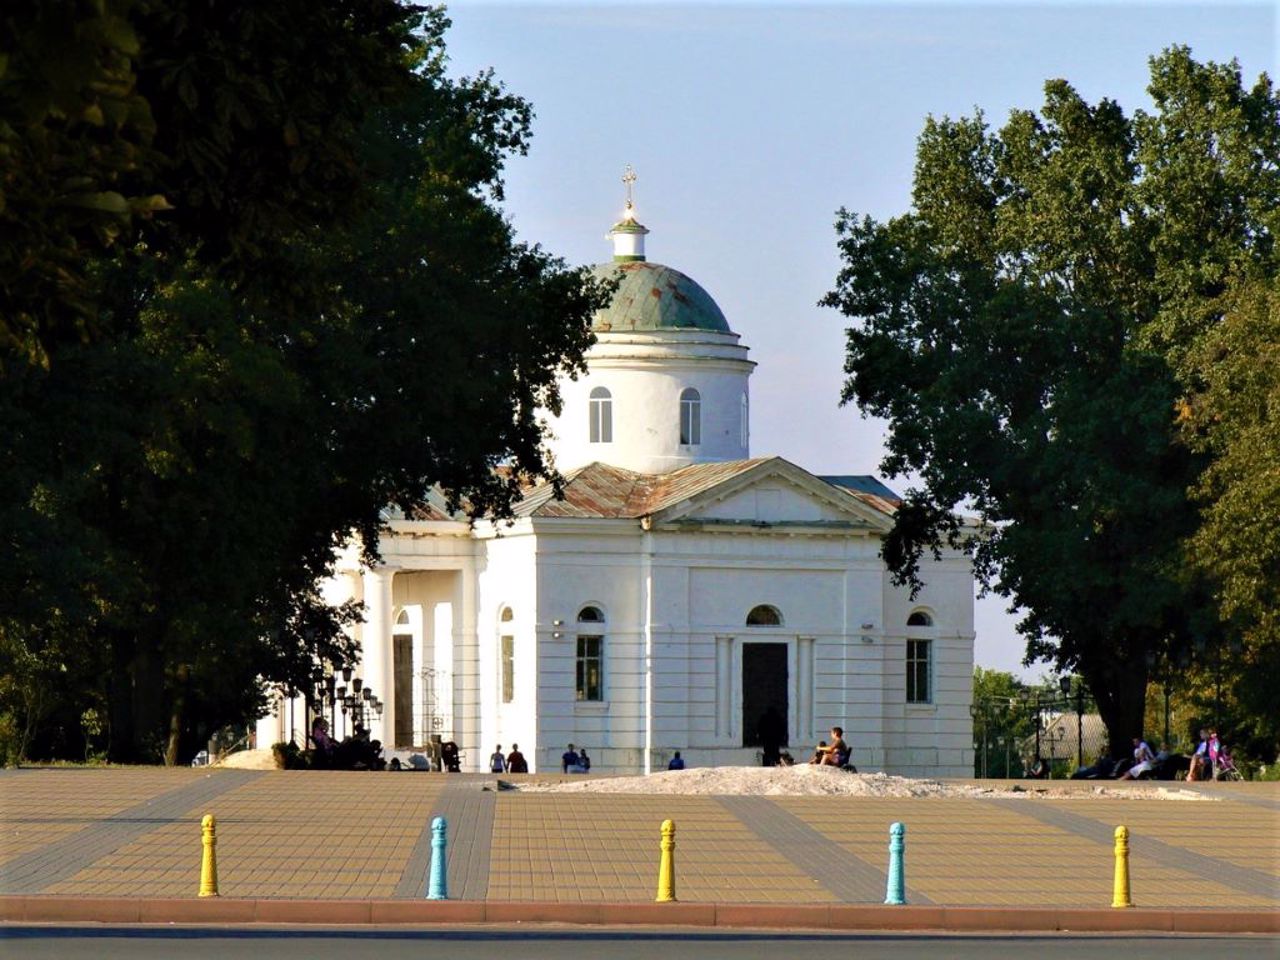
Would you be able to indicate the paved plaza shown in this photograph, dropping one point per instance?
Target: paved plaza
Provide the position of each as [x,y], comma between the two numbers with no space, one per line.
[135,832]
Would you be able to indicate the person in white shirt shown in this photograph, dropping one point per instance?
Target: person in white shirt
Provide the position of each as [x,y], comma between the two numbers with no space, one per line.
[1143,760]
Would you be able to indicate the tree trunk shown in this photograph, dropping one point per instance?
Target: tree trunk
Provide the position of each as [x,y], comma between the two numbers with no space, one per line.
[121,739]
[177,702]
[1122,698]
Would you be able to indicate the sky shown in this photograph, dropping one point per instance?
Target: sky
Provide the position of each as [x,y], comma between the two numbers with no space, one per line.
[750,124]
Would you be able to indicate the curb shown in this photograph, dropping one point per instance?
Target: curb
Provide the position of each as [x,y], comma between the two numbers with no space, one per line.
[226,910]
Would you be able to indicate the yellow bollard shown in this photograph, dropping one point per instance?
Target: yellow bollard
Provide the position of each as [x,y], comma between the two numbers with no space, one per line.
[1120,898]
[209,862]
[667,865]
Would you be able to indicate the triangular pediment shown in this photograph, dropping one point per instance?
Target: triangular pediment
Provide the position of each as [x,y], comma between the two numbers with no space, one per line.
[775,492]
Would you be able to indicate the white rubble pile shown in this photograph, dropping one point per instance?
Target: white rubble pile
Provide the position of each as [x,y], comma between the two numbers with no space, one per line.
[807,780]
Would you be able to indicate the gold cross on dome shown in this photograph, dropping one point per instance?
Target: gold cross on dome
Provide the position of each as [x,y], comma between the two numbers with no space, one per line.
[629,178]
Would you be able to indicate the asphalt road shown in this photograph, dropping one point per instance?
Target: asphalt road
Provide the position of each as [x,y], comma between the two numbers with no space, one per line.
[118,943]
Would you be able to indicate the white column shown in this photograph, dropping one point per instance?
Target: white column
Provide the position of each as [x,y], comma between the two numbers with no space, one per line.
[724,689]
[804,689]
[648,651]
[375,652]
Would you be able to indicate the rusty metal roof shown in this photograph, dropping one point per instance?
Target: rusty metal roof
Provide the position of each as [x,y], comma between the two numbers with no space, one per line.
[869,490]
[599,490]
[651,296]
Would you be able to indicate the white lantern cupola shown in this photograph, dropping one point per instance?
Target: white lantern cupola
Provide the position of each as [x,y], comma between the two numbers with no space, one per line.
[667,380]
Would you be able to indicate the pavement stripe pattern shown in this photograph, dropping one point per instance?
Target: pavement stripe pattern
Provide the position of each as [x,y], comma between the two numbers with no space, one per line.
[1235,796]
[469,811]
[1237,877]
[39,869]
[845,875]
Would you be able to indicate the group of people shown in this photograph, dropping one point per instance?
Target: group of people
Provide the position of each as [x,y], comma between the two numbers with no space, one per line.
[1208,762]
[772,733]
[575,760]
[1211,760]
[355,752]
[513,762]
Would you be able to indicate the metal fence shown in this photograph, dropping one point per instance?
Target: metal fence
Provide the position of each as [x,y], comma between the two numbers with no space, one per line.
[1011,733]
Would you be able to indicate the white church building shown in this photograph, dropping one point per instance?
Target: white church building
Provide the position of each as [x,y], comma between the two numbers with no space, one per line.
[679,590]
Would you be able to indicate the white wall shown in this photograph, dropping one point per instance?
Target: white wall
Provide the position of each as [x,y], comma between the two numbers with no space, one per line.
[645,375]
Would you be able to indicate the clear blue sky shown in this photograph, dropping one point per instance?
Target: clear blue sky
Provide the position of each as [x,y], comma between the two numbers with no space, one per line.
[749,124]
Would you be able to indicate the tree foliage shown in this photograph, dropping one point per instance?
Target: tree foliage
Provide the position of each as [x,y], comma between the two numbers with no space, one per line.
[1025,329]
[323,313]
[1233,415]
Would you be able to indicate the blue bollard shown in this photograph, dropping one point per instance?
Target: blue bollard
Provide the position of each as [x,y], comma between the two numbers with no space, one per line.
[437,884]
[896,892]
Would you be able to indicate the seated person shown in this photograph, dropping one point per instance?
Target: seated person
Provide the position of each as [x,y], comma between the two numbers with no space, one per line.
[834,755]
[1169,765]
[677,762]
[1103,767]
[1143,760]
[1200,768]
[1039,770]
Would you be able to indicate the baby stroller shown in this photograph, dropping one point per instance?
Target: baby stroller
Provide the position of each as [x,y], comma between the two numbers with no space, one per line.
[450,757]
[1225,768]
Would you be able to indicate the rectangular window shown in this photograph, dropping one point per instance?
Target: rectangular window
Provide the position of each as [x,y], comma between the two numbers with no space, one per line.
[590,672]
[600,425]
[508,669]
[918,652]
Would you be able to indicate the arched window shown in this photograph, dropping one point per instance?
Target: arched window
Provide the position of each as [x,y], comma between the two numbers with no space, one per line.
[507,655]
[690,417]
[764,616]
[919,660]
[402,620]
[601,426]
[590,659]
[744,420]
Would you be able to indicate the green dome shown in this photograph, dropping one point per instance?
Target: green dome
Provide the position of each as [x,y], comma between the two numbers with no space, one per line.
[653,297]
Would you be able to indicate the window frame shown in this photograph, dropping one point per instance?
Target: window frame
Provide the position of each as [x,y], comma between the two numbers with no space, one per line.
[600,416]
[586,687]
[506,655]
[919,659]
[770,616]
[690,417]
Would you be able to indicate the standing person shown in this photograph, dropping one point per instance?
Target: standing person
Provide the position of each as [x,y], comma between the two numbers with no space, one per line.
[568,759]
[497,762]
[516,763]
[773,734]
[1215,748]
[677,762]
[584,762]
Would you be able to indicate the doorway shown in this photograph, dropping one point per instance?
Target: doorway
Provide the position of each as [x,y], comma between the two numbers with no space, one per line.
[764,693]
[402,653]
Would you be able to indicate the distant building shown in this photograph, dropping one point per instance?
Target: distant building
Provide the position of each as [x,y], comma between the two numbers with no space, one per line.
[678,592]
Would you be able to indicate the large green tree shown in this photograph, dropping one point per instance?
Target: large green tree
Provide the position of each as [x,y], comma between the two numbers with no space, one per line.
[1233,415]
[323,314]
[1023,328]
